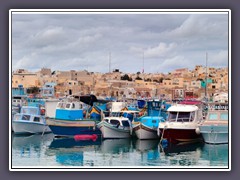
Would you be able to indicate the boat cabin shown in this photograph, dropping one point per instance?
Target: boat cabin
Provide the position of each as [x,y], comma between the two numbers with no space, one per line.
[217,116]
[29,113]
[69,105]
[120,123]
[69,110]
[184,113]
[151,121]
[157,108]
[217,112]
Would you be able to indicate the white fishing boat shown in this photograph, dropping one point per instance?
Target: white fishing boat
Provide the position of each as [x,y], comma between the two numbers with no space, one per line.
[182,123]
[215,127]
[30,120]
[115,127]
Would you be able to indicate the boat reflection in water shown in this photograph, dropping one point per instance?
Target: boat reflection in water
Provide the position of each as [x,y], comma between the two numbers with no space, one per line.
[148,151]
[47,151]
[182,154]
[31,147]
[70,151]
[116,146]
[215,155]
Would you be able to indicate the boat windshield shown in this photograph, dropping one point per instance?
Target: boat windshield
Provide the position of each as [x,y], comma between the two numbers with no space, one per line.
[114,122]
[172,116]
[183,117]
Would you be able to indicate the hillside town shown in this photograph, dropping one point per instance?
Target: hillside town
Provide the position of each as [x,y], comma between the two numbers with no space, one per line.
[180,83]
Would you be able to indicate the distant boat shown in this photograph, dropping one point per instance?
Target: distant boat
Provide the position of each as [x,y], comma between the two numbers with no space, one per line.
[30,120]
[146,126]
[115,127]
[69,120]
[182,122]
[215,127]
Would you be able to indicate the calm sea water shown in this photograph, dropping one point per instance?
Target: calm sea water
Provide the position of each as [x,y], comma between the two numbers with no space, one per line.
[47,151]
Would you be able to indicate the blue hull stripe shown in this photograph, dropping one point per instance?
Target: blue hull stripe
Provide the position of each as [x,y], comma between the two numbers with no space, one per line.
[72,131]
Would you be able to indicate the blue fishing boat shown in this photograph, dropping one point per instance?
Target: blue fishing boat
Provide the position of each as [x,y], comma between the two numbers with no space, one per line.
[69,120]
[146,126]
[97,110]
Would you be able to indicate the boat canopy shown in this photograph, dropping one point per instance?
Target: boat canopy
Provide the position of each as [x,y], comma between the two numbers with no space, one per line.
[182,108]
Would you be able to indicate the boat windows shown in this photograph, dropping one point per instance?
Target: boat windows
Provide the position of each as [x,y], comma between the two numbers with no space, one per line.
[17,117]
[61,105]
[125,123]
[80,106]
[73,106]
[114,122]
[212,116]
[36,119]
[183,117]
[192,116]
[224,116]
[68,106]
[26,117]
[106,120]
[172,116]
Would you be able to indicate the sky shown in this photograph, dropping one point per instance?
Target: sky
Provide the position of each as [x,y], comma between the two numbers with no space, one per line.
[130,42]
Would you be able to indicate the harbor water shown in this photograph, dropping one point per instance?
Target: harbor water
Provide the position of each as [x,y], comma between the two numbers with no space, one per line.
[47,151]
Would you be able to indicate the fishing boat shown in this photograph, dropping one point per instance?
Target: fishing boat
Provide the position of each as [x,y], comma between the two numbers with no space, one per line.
[215,127]
[69,120]
[115,127]
[30,120]
[182,122]
[146,126]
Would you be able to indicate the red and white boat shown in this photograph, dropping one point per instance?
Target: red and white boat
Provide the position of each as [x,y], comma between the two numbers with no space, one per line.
[182,122]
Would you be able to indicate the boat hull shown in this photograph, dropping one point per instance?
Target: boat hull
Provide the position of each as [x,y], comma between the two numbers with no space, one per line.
[26,127]
[145,132]
[214,134]
[66,128]
[108,131]
[180,135]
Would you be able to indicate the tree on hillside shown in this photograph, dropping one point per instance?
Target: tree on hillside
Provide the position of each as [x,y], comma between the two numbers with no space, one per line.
[33,90]
[126,77]
[138,78]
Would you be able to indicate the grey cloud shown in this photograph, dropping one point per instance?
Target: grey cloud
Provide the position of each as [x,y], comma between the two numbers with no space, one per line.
[84,41]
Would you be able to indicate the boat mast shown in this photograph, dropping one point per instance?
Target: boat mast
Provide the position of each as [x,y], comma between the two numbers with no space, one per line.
[109,62]
[143,63]
[206,76]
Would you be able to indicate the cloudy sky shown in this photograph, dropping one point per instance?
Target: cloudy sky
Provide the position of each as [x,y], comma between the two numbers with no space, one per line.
[87,41]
